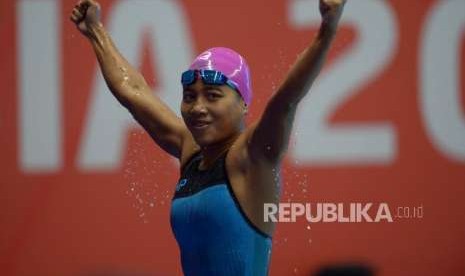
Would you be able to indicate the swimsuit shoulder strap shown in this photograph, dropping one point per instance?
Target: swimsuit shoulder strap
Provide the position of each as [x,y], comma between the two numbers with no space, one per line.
[190,162]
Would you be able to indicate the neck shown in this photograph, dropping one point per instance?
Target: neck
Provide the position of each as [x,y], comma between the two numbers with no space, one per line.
[212,152]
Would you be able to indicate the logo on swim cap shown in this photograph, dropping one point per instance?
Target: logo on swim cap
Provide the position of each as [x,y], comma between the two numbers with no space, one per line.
[205,55]
[231,64]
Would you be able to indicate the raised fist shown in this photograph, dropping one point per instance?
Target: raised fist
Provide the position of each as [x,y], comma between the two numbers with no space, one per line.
[86,15]
[331,10]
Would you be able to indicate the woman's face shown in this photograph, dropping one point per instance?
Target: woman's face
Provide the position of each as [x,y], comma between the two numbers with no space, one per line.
[212,113]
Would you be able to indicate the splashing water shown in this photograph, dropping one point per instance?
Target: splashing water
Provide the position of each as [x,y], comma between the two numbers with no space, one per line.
[141,174]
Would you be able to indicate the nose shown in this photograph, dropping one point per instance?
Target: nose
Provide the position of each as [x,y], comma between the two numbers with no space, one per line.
[198,107]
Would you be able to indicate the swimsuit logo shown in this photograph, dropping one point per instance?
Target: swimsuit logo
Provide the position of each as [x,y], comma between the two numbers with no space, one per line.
[181,184]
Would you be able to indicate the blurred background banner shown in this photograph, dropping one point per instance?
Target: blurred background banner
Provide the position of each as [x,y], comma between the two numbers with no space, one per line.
[84,191]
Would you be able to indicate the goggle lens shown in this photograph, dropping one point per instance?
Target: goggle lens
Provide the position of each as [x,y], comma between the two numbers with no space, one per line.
[210,77]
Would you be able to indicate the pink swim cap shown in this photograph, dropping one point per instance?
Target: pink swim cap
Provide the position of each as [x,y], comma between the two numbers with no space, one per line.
[231,64]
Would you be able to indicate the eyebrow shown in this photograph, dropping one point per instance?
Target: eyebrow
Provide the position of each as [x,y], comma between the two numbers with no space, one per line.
[214,87]
[209,87]
[184,90]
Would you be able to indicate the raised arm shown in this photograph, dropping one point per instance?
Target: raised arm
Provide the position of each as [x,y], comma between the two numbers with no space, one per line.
[269,138]
[127,84]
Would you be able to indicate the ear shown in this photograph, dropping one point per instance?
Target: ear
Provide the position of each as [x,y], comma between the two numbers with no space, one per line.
[245,108]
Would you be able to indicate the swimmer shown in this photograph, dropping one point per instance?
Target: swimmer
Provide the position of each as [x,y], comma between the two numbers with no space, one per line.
[227,170]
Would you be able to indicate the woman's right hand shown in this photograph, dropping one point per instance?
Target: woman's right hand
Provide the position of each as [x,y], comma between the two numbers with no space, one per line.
[86,16]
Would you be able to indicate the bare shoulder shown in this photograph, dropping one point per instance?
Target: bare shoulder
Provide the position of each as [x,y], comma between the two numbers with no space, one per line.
[189,148]
[253,182]
[238,155]
[255,173]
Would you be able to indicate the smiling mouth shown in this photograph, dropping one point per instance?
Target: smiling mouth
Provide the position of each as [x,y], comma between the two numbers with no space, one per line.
[200,125]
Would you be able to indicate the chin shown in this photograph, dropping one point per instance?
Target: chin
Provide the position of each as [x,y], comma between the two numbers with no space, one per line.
[206,140]
[202,139]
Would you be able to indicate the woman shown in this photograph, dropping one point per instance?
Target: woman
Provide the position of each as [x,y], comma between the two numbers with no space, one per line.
[228,170]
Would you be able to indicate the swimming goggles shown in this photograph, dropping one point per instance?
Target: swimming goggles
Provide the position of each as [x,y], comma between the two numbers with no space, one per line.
[208,77]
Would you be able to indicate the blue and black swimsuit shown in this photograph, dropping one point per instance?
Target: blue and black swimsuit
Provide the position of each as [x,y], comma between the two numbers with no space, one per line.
[214,235]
